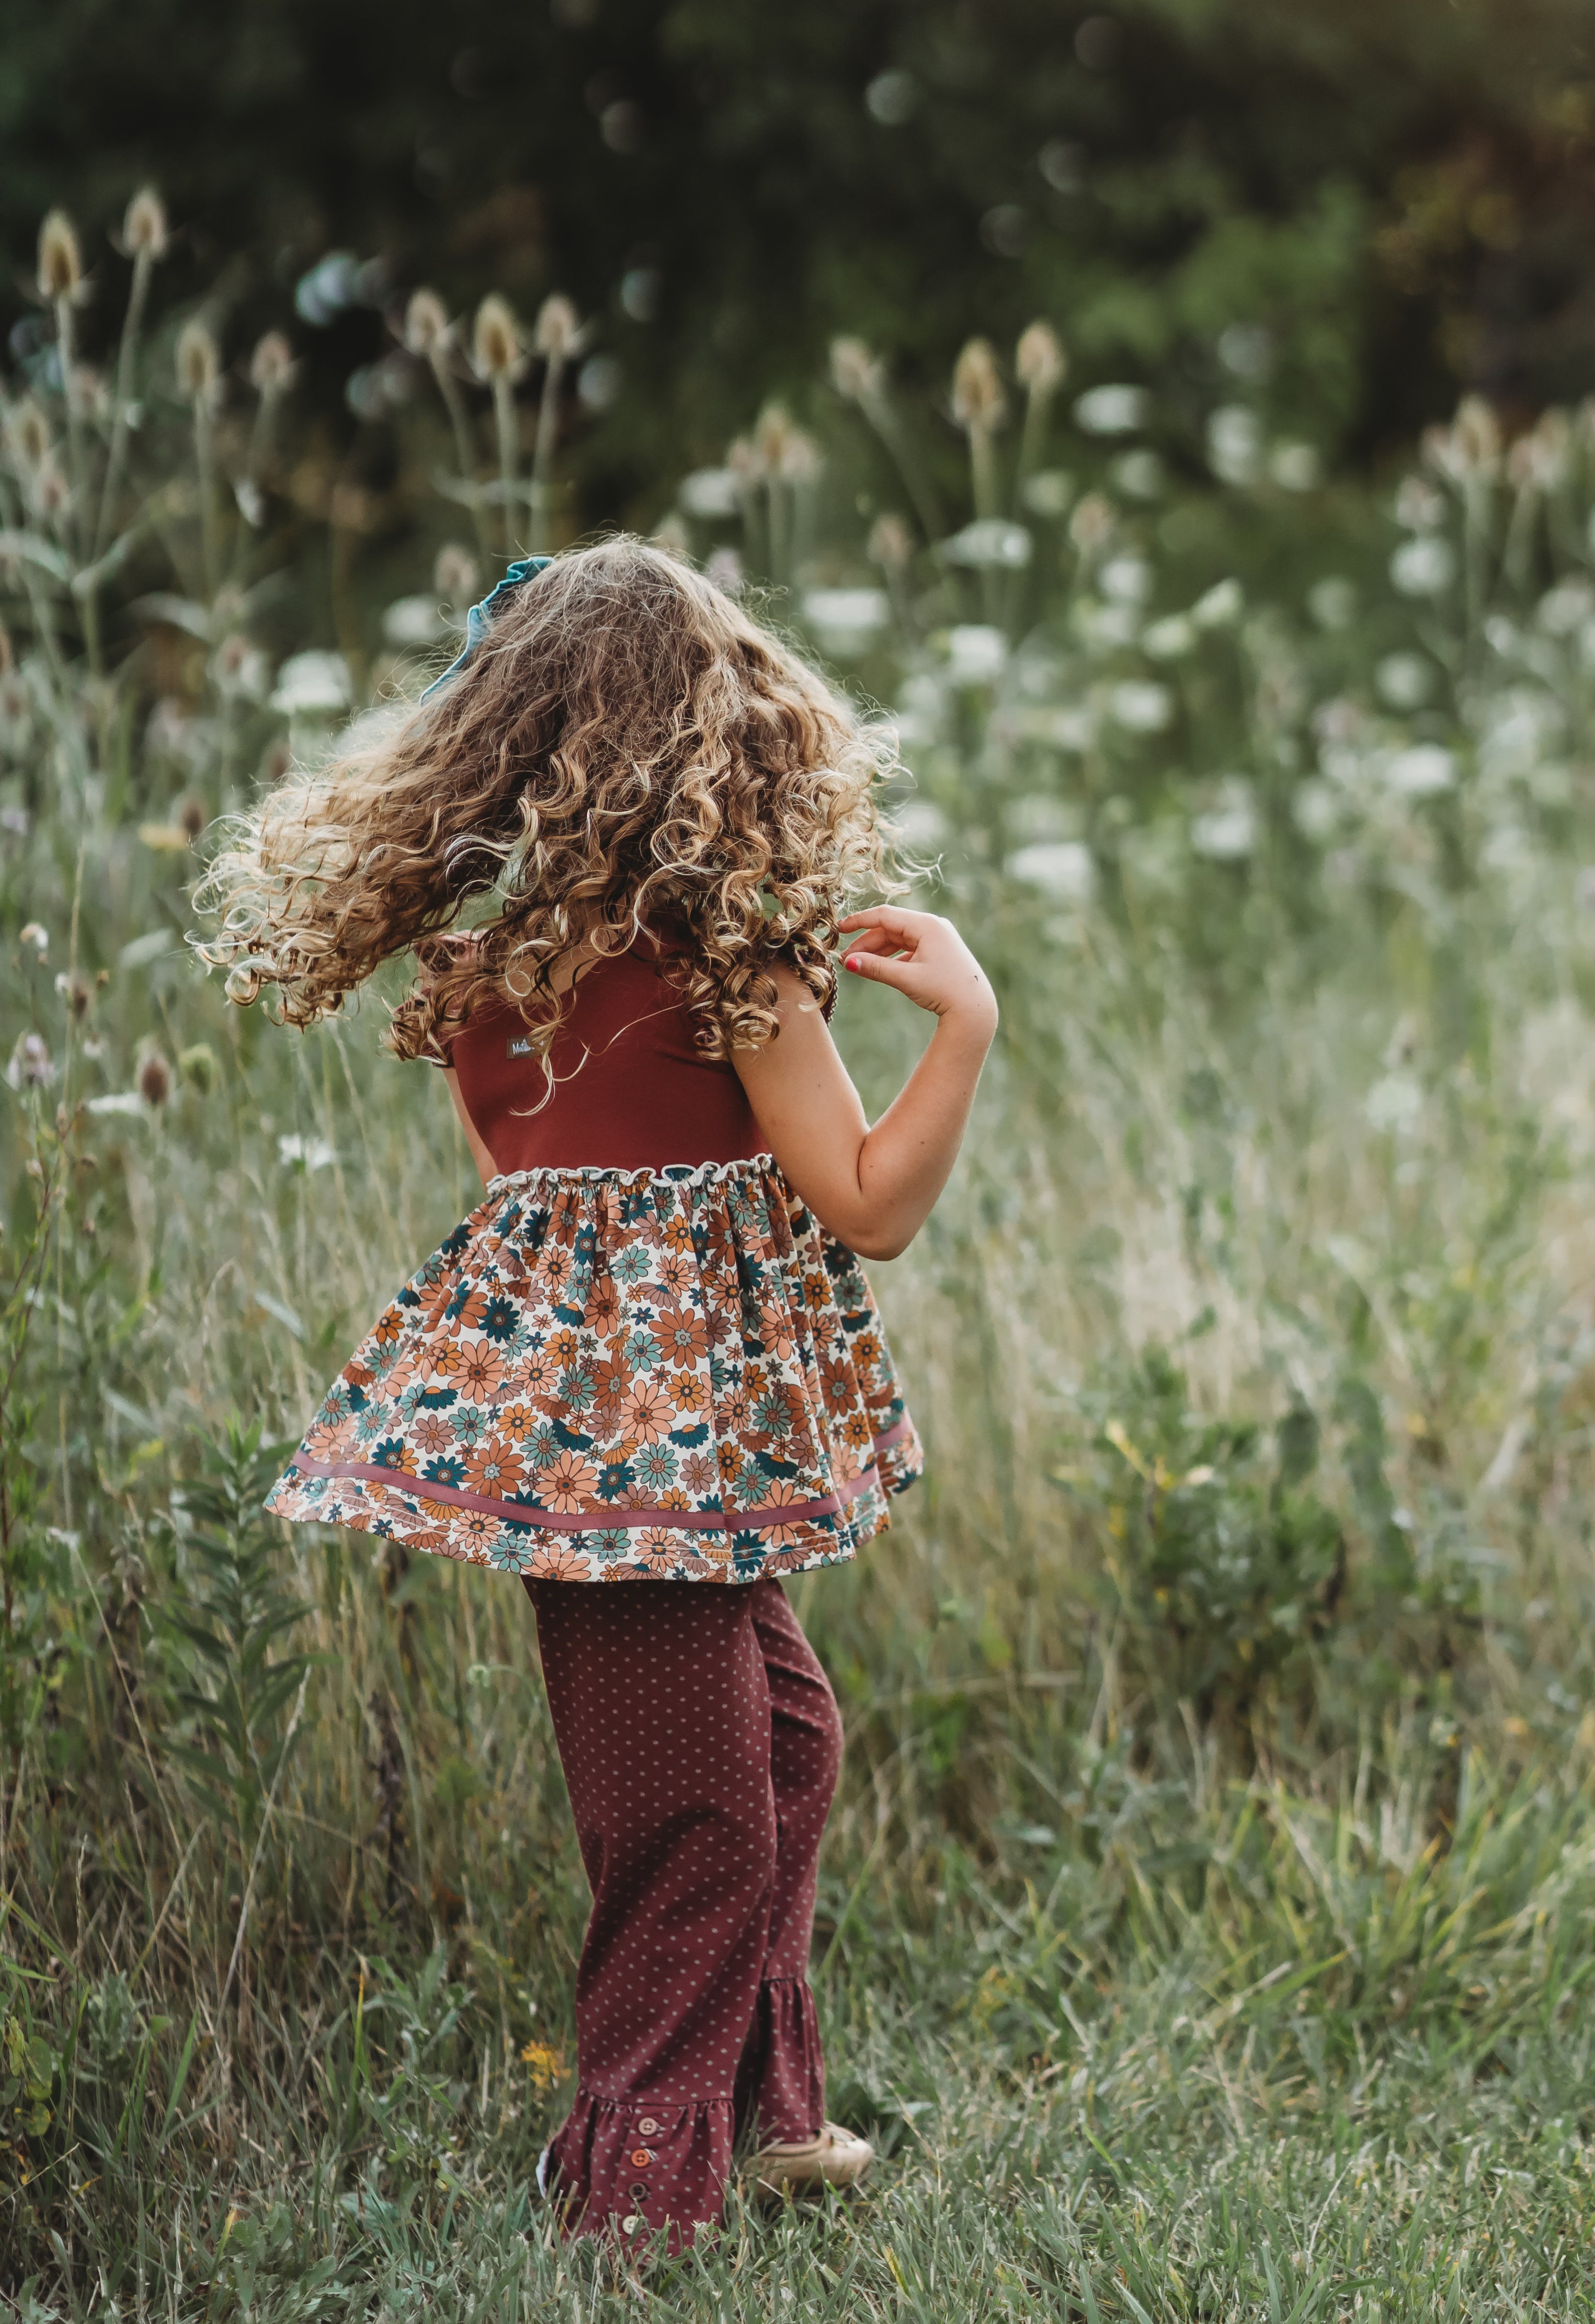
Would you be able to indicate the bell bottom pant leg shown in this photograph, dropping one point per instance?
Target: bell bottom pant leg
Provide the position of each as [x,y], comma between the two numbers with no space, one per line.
[700,1744]
[781,2078]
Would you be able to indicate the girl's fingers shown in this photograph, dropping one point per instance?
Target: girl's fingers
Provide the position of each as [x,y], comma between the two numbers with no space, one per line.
[881,916]
[876,940]
[878,971]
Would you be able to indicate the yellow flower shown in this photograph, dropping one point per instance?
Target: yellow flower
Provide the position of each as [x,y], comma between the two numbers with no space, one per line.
[546,2064]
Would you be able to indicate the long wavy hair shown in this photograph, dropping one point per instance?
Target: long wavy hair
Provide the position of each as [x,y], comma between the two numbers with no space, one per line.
[626,754]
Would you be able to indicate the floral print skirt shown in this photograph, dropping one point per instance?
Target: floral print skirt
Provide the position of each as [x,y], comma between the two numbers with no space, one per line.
[617,1375]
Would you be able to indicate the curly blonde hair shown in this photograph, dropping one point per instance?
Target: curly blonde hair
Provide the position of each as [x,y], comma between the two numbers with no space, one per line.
[626,752]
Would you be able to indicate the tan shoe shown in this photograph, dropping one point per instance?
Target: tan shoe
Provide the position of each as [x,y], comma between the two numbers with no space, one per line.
[834,2158]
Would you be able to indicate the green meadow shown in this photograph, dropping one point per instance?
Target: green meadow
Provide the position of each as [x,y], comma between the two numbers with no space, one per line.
[1205,1924]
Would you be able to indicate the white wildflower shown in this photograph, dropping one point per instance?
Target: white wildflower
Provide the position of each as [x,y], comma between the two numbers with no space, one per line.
[920,822]
[1168,639]
[1128,580]
[1566,608]
[1113,410]
[1424,565]
[312,684]
[1316,810]
[307,1153]
[1394,1104]
[1405,680]
[1062,869]
[412,621]
[1141,474]
[990,544]
[1234,444]
[1297,467]
[31,1065]
[1423,772]
[1333,602]
[1141,707]
[1050,493]
[710,493]
[977,653]
[846,617]
[1218,606]
[1228,832]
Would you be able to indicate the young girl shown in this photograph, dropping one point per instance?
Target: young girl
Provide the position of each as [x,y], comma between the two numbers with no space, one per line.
[649,1359]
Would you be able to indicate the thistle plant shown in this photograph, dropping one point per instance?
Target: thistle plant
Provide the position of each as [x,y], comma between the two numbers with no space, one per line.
[501,360]
[61,284]
[429,334]
[558,338]
[144,239]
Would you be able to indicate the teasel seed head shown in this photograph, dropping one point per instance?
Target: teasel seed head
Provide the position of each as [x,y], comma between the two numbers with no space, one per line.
[978,400]
[76,993]
[427,326]
[1090,528]
[28,433]
[49,491]
[31,1066]
[1479,435]
[800,459]
[1469,449]
[60,260]
[495,339]
[1540,458]
[88,391]
[855,373]
[155,1079]
[144,229]
[199,1067]
[1039,360]
[453,576]
[745,461]
[891,544]
[558,330]
[199,361]
[271,366]
[772,434]
[190,817]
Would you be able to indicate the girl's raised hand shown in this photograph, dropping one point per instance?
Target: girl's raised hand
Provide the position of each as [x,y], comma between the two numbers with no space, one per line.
[924,956]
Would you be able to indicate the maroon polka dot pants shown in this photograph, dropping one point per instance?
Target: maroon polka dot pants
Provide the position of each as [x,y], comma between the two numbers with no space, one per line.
[700,1742]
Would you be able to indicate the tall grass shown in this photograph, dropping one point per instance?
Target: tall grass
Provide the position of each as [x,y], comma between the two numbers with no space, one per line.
[1202,1919]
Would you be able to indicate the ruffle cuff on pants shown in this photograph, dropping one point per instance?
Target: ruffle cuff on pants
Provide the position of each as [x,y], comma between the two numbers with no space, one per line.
[781,2077]
[635,2167]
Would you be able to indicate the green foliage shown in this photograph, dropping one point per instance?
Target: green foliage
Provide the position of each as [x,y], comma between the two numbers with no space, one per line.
[1222,1568]
[228,1609]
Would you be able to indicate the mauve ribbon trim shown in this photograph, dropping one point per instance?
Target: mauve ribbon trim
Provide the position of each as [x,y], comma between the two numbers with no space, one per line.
[609,1520]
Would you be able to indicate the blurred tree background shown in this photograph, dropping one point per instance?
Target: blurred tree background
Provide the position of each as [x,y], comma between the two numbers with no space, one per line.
[1380,203]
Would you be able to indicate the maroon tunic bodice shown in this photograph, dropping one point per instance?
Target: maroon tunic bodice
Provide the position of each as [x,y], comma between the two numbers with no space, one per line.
[631,1090]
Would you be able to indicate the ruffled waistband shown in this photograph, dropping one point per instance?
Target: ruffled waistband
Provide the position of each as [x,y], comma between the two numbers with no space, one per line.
[744,1168]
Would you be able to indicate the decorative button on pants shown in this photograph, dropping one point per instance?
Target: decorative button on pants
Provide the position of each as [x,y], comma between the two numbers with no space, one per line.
[700,1742]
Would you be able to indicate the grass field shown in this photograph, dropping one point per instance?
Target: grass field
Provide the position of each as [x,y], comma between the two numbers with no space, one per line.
[1205,1921]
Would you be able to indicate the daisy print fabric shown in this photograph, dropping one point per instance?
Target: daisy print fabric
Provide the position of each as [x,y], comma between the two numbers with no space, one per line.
[607,1374]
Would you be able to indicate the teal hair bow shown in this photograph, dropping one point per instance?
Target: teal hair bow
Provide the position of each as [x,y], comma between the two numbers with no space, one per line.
[526,569]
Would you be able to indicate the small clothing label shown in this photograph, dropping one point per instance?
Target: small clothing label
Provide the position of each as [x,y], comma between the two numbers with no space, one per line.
[518,1046]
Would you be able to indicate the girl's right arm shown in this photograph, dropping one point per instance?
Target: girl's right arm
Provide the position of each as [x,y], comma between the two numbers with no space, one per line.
[875,1188]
